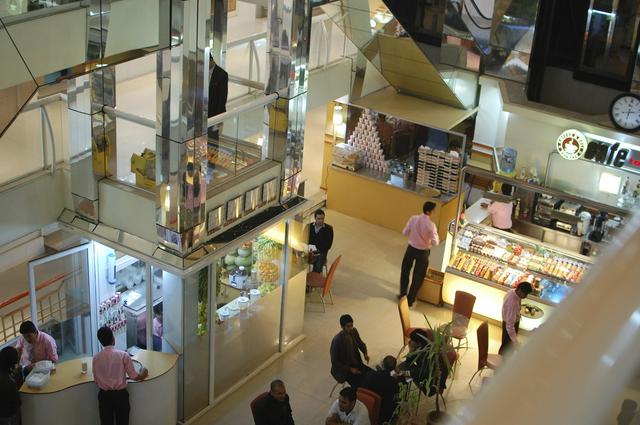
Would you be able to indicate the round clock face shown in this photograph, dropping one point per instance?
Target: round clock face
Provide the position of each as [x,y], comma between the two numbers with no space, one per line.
[625,112]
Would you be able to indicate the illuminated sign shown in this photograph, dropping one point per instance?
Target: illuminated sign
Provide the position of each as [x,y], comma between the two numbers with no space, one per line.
[571,144]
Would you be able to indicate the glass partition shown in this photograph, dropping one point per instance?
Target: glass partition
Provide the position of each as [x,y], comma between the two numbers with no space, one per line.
[248,296]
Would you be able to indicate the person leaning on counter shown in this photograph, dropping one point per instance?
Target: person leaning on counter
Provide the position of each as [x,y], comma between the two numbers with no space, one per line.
[511,315]
[501,211]
[110,370]
[34,346]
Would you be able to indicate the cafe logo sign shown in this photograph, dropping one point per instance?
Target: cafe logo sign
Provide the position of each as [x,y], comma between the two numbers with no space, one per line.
[571,144]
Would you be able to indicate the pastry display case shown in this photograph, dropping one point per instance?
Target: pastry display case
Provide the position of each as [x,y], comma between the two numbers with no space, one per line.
[502,260]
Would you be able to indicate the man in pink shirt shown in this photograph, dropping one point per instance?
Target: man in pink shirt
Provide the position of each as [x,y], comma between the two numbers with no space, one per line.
[511,315]
[34,346]
[423,234]
[110,370]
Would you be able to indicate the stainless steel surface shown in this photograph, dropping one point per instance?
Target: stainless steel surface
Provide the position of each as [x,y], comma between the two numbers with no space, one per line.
[219,11]
[553,237]
[546,190]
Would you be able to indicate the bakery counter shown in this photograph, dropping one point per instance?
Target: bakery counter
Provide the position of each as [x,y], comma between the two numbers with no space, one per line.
[388,202]
[72,397]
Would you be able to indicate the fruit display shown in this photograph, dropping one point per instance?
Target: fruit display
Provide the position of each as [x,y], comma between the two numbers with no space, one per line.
[267,272]
[266,249]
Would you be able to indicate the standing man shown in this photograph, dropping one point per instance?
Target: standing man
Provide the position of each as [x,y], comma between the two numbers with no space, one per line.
[347,409]
[34,346]
[218,91]
[423,234]
[110,370]
[511,315]
[346,363]
[274,409]
[320,235]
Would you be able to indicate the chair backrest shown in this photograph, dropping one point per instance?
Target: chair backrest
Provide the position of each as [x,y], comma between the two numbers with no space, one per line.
[254,403]
[403,310]
[463,304]
[373,401]
[329,280]
[483,344]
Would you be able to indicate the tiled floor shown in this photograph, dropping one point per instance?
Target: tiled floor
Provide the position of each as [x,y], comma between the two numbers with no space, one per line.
[365,286]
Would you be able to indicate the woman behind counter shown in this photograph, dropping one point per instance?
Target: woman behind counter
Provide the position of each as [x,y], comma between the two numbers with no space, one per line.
[9,396]
[501,211]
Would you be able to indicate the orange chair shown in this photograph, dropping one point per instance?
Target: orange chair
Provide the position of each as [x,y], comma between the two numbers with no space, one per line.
[254,403]
[462,310]
[485,360]
[405,321]
[316,280]
[373,401]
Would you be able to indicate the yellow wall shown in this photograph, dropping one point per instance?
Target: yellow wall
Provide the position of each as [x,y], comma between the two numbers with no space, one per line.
[380,203]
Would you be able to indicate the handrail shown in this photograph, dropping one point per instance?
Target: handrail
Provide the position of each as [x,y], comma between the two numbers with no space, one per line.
[130,117]
[252,37]
[246,82]
[45,115]
[242,108]
[58,97]
[43,285]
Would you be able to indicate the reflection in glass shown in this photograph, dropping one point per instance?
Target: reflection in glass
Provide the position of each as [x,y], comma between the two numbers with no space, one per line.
[248,303]
[63,305]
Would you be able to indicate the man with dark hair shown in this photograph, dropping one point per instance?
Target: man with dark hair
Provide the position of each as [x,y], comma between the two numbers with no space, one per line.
[9,396]
[110,370]
[34,346]
[501,211]
[346,363]
[347,409]
[423,234]
[386,386]
[421,364]
[274,409]
[321,236]
[511,315]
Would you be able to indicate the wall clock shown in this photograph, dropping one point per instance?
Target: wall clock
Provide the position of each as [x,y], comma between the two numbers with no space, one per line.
[625,112]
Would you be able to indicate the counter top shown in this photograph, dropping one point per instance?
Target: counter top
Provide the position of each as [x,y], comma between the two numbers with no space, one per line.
[68,373]
[398,182]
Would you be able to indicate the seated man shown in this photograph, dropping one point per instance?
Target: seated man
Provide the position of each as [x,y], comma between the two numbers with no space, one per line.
[386,386]
[420,365]
[274,409]
[320,235]
[346,363]
[347,409]
[34,346]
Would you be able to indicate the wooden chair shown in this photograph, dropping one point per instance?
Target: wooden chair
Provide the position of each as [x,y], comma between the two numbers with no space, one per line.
[254,404]
[405,320]
[318,281]
[462,310]
[485,360]
[373,401]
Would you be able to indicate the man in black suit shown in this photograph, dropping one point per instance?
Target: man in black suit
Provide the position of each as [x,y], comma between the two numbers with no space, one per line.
[346,363]
[218,91]
[320,235]
[274,408]
[386,386]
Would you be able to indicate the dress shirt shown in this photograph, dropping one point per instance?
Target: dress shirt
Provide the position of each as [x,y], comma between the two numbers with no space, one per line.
[422,232]
[359,415]
[511,313]
[501,214]
[111,367]
[43,348]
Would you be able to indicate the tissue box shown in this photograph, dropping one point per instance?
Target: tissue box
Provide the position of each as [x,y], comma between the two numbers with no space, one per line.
[37,379]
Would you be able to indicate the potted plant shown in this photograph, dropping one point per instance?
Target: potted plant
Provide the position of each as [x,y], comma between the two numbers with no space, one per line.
[429,363]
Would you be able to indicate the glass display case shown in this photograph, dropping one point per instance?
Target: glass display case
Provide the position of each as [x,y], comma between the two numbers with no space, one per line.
[502,260]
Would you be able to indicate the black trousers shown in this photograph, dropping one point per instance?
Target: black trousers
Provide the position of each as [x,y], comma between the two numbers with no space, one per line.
[355,379]
[506,340]
[318,261]
[114,405]
[419,260]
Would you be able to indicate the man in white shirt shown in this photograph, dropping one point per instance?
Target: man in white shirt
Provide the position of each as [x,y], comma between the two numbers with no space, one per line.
[348,410]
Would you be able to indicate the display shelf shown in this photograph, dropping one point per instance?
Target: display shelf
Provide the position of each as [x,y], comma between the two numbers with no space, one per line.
[519,268]
[495,285]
